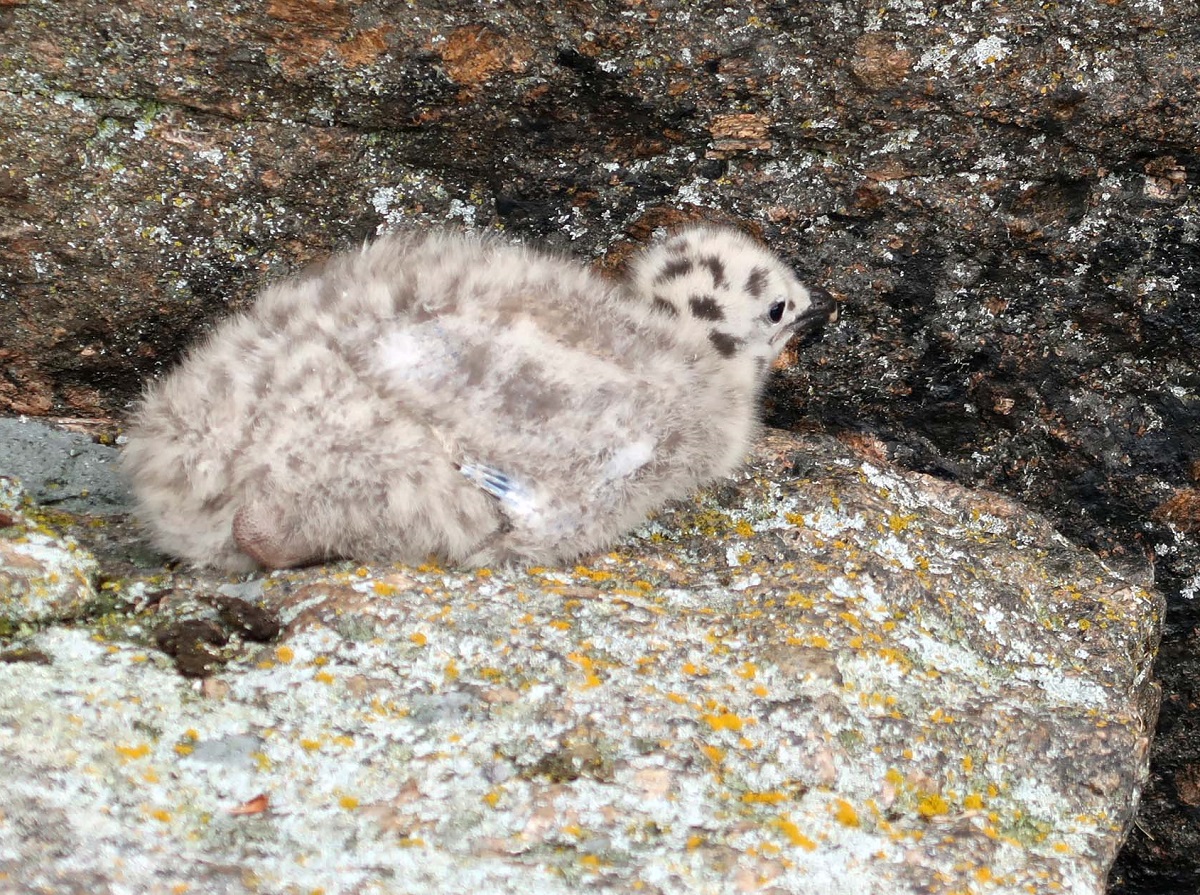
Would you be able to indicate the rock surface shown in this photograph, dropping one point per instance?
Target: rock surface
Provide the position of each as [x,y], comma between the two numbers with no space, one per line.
[826,675]
[1002,195]
[43,575]
[63,470]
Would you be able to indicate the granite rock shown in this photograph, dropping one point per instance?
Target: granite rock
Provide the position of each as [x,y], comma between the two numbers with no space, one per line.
[825,675]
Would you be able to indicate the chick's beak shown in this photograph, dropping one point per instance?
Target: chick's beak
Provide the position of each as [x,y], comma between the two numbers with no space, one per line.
[822,308]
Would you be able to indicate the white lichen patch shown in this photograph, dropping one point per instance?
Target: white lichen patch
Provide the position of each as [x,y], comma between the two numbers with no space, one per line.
[987,51]
[43,575]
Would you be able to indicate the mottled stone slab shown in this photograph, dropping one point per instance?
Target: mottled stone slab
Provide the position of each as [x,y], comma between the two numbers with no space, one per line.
[825,676]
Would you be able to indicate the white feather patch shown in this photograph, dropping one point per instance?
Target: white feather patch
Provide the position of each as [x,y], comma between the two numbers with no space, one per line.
[629,459]
[423,353]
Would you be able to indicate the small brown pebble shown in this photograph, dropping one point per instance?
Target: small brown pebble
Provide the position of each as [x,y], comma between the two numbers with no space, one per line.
[256,805]
[214,688]
[23,654]
[193,644]
[154,597]
[172,636]
[250,621]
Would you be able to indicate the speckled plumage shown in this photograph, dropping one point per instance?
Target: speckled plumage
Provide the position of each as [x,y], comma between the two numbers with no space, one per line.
[459,397]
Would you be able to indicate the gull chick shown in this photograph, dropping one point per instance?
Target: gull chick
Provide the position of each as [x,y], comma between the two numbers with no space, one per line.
[454,396]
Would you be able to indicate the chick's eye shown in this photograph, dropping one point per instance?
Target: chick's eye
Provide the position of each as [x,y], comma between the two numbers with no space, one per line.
[776,312]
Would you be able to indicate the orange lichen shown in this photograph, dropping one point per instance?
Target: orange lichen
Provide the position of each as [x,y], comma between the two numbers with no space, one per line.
[724,721]
[774,797]
[747,671]
[793,834]
[845,813]
[932,805]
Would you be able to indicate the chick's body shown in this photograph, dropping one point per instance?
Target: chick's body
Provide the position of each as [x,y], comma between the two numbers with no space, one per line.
[451,396]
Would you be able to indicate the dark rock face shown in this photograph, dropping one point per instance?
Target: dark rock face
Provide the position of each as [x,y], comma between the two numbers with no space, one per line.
[1002,198]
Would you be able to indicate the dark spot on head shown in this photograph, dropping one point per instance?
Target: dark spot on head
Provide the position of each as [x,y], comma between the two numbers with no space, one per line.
[673,269]
[705,307]
[717,269]
[756,282]
[725,344]
[791,305]
[677,246]
[663,306]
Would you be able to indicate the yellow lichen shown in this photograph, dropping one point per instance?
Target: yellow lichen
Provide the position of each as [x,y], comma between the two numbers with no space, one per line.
[774,797]
[845,813]
[747,671]
[793,834]
[724,721]
[593,574]
[932,805]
